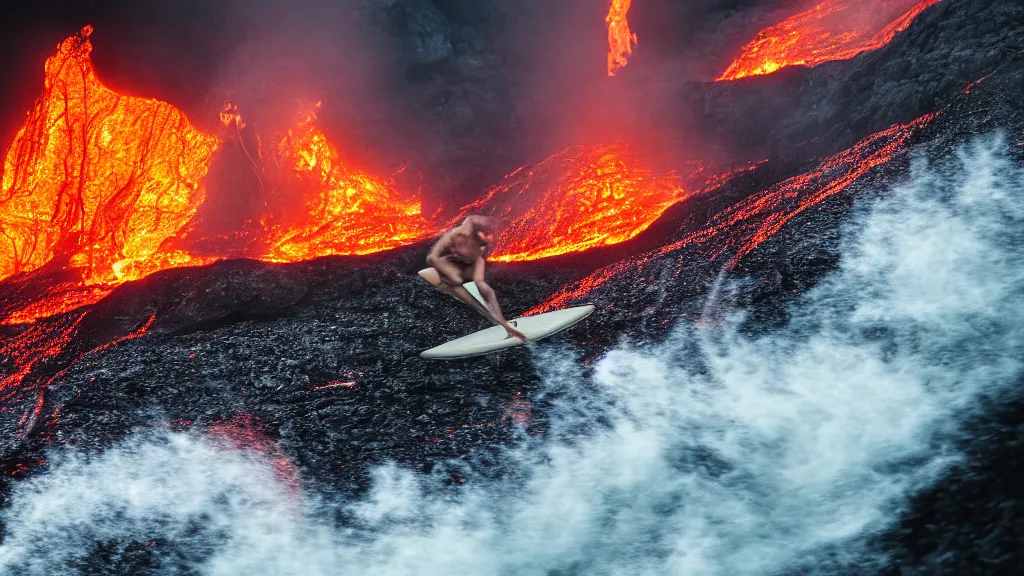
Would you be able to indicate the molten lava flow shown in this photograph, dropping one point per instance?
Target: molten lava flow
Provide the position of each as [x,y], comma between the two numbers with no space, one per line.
[345,211]
[95,179]
[620,38]
[36,345]
[832,30]
[54,300]
[757,218]
[580,198]
[103,184]
[743,227]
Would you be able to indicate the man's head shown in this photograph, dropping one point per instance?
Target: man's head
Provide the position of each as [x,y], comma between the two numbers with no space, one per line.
[482,231]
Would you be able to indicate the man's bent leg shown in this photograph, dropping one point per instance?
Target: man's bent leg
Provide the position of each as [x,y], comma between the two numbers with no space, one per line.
[434,277]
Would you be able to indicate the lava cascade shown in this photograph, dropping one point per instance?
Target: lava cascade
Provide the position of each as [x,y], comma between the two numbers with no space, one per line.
[104,184]
[832,30]
[344,211]
[620,38]
[579,198]
[97,179]
[743,227]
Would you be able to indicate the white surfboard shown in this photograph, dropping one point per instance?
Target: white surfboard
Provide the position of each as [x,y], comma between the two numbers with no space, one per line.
[495,338]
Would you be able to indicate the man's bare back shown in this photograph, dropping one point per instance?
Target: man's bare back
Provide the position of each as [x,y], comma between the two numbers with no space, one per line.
[459,256]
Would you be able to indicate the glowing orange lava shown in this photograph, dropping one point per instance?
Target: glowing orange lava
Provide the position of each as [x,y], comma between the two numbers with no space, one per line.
[102,184]
[579,198]
[345,211]
[620,38]
[94,178]
[832,30]
[743,227]
[54,300]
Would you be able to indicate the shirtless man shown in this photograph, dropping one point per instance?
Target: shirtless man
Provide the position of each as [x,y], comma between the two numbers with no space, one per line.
[458,257]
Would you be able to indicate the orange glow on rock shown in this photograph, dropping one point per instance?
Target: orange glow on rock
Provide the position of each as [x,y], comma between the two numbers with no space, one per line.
[244,433]
[579,198]
[620,38]
[832,30]
[97,179]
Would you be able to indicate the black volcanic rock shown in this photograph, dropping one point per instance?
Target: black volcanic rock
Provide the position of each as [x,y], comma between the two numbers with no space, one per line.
[353,325]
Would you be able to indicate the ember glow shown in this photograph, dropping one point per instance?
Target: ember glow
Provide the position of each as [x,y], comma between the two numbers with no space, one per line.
[580,198]
[620,38]
[95,178]
[832,30]
[735,232]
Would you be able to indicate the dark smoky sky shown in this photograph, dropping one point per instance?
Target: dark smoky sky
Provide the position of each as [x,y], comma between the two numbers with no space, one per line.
[197,53]
[557,51]
[520,78]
